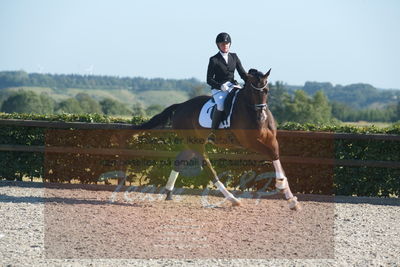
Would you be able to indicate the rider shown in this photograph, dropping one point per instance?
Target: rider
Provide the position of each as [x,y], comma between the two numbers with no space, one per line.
[220,76]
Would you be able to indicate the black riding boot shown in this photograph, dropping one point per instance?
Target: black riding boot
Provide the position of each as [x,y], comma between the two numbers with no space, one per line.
[216,120]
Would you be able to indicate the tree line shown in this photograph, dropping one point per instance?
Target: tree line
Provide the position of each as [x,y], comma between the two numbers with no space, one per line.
[60,81]
[298,106]
[314,102]
[30,102]
[358,96]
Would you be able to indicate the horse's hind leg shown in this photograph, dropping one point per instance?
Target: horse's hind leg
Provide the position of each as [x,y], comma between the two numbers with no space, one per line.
[228,195]
[183,157]
[169,187]
[187,155]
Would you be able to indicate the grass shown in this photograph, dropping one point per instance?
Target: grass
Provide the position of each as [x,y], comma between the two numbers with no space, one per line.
[163,98]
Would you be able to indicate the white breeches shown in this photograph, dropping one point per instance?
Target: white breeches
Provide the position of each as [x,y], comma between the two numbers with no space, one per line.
[219,98]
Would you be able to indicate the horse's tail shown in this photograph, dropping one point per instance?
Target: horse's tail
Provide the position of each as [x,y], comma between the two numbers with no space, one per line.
[160,119]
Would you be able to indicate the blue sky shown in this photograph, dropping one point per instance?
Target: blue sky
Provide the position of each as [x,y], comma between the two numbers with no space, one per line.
[338,41]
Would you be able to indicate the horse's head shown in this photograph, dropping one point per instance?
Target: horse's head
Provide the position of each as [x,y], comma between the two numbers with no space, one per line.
[256,91]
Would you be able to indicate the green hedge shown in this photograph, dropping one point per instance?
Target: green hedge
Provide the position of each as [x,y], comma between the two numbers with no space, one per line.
[304,178]
[100,118]
[294,126]
[16,165]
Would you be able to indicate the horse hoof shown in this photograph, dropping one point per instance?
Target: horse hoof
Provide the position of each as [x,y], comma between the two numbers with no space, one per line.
[235,202]
[296,208]
[294,204]
[169,195]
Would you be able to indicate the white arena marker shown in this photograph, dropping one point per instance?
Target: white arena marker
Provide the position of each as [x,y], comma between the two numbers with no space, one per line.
[2,235]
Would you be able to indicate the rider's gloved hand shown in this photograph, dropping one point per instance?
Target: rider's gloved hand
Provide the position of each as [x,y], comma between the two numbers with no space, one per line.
[226,86]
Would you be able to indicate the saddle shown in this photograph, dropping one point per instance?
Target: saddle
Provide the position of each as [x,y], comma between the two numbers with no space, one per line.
[205,117]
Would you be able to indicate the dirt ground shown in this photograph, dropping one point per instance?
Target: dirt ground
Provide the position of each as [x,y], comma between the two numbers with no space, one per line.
[84,226]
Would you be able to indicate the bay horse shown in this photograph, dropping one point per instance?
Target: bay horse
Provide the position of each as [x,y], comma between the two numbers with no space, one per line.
[252,125]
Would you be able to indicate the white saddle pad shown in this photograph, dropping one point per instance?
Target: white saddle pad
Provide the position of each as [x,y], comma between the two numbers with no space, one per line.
[205,114]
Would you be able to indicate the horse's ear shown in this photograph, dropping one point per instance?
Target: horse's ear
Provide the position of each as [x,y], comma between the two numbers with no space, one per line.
[267,74]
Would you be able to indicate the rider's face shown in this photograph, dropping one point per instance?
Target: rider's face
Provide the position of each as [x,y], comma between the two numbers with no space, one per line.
[224,47]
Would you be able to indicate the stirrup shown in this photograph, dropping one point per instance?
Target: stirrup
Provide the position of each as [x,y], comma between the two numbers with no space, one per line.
[281,183]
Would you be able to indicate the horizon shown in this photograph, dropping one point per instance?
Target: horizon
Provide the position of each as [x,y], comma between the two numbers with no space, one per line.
[341,42]
[150,78]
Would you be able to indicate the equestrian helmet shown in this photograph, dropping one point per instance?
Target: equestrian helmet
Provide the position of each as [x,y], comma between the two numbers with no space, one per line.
[223,37]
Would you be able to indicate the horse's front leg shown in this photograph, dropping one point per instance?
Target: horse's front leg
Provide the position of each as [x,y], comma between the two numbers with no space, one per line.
[282,184]
[268,145]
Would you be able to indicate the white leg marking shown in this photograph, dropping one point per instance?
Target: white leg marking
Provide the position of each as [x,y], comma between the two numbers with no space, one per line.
[282,184]
[280,173]
[171,180]
[224,191]
[281,180]
[227,194]
[288,193]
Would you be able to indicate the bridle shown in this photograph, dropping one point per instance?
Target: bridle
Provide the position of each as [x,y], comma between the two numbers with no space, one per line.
[259,88]
[259,107]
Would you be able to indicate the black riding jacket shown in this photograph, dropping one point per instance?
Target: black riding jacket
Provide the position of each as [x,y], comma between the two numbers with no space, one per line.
[220,72]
